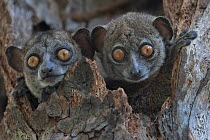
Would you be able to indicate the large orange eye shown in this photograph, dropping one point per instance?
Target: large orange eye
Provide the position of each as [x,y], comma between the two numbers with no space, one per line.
[33,61]
[64,54]
[147,50]
[118,54]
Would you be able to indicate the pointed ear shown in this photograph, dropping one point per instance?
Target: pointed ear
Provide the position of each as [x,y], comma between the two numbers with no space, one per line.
[82,38]
[164,27]
[14,58]
[97,38]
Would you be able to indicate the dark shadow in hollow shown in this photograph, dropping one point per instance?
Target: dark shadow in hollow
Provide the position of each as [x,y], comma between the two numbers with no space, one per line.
[3,97]
[41,27]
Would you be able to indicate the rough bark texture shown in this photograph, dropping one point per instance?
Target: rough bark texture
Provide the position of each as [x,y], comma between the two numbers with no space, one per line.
[186,114]
[82,107]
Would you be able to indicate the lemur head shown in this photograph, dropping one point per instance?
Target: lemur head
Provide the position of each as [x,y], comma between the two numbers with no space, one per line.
[46,57]
[131,48]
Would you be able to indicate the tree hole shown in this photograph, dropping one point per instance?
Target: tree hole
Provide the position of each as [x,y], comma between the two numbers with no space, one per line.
[42,26]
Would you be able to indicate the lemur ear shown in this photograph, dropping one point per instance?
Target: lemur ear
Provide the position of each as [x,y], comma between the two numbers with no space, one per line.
[14,58]
[164,27]
[82,38]
[97,38]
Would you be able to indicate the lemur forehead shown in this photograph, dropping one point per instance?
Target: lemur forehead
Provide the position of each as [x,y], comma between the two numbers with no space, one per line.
[49,38]
[125,36]
[139,23]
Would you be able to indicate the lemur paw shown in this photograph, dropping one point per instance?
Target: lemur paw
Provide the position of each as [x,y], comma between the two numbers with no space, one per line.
[21,89]
[185,38]
[47,92]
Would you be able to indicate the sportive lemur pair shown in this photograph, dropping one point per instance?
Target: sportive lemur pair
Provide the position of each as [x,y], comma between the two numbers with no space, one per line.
[129,52]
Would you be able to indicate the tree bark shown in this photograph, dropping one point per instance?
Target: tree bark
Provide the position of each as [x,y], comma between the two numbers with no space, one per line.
[186,114]
[83,108]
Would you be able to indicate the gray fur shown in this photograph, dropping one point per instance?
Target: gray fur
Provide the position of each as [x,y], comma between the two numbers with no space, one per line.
[45,45]
[130,31]
[146,80]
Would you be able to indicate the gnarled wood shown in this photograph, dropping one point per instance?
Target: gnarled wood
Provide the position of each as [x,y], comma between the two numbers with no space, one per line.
[186,116]
[81,108]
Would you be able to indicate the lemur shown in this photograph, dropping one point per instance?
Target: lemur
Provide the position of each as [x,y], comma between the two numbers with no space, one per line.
[136,52]
[47,56]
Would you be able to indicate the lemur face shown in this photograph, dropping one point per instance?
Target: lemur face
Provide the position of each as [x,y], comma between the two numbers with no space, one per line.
[47,56]
[133,62]
[132,58]
[48,59]
[131,48]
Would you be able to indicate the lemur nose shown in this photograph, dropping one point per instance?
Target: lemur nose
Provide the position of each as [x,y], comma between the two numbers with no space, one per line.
[47,70]
[135,73]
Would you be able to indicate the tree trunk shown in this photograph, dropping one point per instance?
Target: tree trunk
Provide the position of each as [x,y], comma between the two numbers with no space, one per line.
[82,107]
[186,114]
